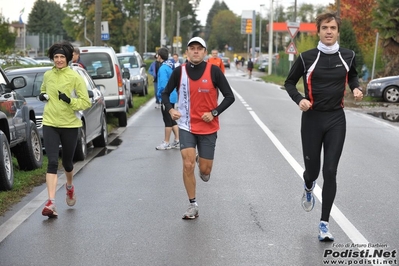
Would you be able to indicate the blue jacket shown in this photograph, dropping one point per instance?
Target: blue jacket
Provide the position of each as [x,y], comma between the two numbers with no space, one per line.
[163,75]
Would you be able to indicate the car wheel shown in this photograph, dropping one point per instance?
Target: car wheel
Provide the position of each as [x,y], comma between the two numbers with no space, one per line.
[81,146]
[130,101]
[102,140]
[391,94]
[6,168]
[146,87]
[29,154]
[142,92]
[122,119]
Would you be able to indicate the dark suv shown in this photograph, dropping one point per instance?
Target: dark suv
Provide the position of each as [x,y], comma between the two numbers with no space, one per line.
[18,132]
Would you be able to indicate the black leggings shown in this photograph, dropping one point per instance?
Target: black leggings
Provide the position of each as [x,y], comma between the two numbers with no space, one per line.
[167,119]
[323,130]
[68,138]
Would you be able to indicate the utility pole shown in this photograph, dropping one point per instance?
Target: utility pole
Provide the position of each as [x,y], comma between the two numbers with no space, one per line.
[97,25]
[162,40]
[145,26]
[141,26]
[269,65]
[171,28]
[260,29]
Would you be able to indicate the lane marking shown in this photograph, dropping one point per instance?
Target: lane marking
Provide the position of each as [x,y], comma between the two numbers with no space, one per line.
[349,229]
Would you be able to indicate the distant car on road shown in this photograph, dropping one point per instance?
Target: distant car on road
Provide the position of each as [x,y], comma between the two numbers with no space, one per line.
[226,62]
[133,64]
[94,119]
[386,88]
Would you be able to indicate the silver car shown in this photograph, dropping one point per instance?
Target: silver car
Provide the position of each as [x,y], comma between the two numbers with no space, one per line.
[94,119]
[386,88]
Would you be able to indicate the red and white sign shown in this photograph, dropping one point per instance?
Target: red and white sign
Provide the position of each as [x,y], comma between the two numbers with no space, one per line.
[293,28]
[291,49]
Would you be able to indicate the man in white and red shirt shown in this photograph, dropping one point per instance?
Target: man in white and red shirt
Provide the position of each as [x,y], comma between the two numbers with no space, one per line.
[198,84]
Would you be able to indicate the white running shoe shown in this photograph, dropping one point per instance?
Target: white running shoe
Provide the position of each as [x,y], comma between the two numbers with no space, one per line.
[163,146]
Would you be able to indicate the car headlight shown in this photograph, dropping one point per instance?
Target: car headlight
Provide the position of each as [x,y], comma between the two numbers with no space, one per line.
[136,77]
[372,85]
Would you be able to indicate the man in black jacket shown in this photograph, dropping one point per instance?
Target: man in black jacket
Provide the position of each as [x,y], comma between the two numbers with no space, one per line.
[325,70]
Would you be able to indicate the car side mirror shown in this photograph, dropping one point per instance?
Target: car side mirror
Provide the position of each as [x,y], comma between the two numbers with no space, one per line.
[126,74]
[18,82]
[144,65]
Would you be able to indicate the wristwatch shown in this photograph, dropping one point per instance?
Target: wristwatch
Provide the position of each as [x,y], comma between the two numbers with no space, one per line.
[360,89]
[215,112]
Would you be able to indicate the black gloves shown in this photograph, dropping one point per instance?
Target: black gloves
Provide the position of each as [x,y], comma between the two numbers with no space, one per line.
[62,96]
[43,97]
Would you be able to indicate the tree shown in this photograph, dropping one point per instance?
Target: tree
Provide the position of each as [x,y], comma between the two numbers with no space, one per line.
[348,40]
[46,17]
[225,30]
[7,40]
[386,21]
[215,9]
[359,13]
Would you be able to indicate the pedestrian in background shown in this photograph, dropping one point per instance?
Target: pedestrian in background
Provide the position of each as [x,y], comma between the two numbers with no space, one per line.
[325,70]
[216,60]
[163,75]
[153,70]
[65,93]
[250,66]
[176,59]
[198,84]
[76,58]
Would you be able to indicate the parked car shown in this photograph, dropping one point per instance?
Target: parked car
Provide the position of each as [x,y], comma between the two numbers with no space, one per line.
[133,64]
[104,68]
[43,60]
[226,62]
[263,65]
[18,133]
[386,88]
[94,119]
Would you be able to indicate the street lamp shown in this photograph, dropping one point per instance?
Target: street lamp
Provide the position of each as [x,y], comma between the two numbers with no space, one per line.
[260,29]
[180,19]
[145,19]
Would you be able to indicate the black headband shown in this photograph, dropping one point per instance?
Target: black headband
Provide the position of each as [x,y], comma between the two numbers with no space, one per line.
[59,51]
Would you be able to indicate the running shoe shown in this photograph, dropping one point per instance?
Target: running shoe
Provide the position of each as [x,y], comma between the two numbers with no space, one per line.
[163,146]
[49,210]
[175,144]
[308,200]
[324,232]
[70,196]
[192,212]
[204,177]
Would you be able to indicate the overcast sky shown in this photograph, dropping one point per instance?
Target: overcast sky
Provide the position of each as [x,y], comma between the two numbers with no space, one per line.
[11,10]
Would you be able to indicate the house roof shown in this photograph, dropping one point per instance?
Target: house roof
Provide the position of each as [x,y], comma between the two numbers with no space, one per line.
[303,27]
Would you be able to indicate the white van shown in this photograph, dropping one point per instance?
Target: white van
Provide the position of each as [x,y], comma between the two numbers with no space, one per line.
[102,65]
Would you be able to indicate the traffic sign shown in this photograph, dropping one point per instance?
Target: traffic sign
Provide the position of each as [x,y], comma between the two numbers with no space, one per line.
[293,28]
[291,49]
[104,31]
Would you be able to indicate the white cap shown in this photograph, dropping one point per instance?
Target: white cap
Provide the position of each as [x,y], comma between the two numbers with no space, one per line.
[198,40]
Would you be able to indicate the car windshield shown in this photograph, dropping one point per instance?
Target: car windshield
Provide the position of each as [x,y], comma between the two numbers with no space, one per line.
[99,65]
[128,61]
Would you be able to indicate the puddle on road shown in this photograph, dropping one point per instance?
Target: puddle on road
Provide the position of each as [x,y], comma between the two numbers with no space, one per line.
[113,145]
[392,116]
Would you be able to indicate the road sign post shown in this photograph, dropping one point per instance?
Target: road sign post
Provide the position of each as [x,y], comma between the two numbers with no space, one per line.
[104,31]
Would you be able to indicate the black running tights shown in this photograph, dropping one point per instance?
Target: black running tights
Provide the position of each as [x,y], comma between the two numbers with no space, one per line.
[68,138]
[323,130]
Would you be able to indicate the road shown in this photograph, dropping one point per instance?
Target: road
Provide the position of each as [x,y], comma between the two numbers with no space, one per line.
[130,197]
